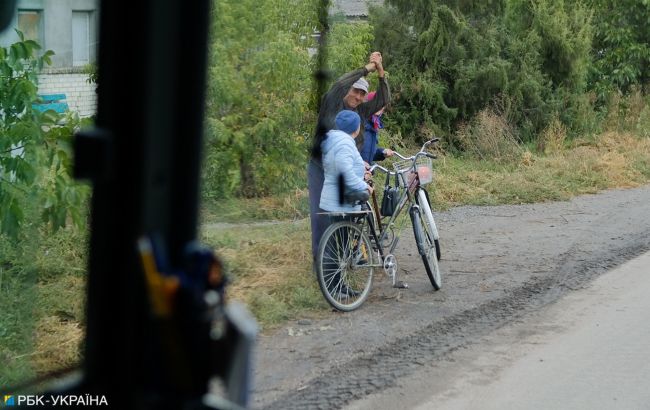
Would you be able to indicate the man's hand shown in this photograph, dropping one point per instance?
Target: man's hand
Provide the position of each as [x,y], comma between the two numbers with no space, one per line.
[374,59]
[380,68]
[388,152]
[378,60]
[370,189]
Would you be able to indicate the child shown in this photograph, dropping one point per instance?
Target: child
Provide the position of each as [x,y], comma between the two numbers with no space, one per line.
[370,151]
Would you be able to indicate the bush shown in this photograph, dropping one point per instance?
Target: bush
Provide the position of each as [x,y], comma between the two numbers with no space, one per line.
[621,50]
[627,113]
[452,60]
[35,148]
[258,122]
[489,137]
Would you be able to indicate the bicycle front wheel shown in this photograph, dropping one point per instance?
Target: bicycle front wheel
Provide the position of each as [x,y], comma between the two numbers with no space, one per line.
[345,266]
[426,246]
[425,206]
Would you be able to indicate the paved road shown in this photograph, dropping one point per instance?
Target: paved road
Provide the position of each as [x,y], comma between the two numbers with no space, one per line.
[589,350]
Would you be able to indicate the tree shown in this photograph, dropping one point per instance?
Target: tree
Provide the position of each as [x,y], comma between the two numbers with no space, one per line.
[450,59]
[35,147]
[258,118]
[621,46]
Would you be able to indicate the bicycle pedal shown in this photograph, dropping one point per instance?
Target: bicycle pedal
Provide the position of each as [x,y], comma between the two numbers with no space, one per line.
[401,285]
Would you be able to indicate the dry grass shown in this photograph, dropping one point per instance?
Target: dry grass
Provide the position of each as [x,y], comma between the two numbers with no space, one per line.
[292,206]
[551,140]
[627,113]
[59,331]
[489,137]
[58,344]
[611,160]
[270,267]
[262,262]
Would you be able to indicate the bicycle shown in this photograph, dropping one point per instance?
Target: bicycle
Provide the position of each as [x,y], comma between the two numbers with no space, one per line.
[346,254]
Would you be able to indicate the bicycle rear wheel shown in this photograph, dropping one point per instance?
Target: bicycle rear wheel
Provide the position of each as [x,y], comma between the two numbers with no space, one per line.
[344,266]
[426,246]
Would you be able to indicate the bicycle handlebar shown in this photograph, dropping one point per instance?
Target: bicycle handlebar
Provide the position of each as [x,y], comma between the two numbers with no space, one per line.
[377,166]
[421,152]
[373,167]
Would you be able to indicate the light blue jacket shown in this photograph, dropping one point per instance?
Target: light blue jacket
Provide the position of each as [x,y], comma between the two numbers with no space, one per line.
[340,156]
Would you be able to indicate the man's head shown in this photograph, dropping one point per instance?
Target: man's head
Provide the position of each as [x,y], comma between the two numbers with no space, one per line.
[348,122]
[356,94]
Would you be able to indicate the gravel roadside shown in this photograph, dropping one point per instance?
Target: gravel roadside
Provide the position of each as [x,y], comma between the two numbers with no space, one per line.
[498,264]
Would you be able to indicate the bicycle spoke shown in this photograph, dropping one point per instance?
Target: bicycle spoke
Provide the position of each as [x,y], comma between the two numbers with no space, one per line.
[344,283]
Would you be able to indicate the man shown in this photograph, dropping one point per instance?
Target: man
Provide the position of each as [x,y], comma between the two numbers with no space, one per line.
[347,93]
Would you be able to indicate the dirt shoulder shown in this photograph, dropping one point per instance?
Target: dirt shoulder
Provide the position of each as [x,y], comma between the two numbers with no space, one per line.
[498,264]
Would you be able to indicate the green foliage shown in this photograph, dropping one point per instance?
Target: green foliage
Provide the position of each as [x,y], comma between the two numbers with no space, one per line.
[550,43]
[621,46]
[37,196]
[16,321]
[533,63]
[347,47]
[35,147]
[93,73]
[450,60]
[258,122]
[564,34]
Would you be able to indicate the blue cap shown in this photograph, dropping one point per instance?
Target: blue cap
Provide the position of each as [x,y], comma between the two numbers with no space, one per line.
[347,121]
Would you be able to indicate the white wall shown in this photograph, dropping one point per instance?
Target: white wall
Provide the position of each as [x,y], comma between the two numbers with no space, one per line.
[82,97]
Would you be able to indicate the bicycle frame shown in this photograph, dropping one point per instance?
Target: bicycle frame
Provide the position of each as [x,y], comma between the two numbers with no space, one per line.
[347,250]
[405,197]
[408,193]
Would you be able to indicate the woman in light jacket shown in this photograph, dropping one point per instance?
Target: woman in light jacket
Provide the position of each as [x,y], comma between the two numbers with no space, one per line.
[341,158]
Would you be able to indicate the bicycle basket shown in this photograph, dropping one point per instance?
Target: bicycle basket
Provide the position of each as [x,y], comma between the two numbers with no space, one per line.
[422,164]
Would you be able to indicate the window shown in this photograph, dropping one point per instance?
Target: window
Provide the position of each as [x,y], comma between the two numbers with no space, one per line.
[80,38]
[30,22]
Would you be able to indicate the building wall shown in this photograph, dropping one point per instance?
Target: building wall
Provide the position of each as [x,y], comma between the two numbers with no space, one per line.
[81,96]
[56,27]
[56,34]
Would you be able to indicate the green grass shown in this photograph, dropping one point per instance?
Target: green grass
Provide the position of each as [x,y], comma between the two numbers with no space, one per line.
[41,304]
[288,207]
[16,326]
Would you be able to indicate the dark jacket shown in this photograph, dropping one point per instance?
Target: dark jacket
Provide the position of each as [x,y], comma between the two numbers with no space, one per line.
[371,152]
[332,103]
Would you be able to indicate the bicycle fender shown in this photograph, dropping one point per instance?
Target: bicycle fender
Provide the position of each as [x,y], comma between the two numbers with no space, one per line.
[412,210]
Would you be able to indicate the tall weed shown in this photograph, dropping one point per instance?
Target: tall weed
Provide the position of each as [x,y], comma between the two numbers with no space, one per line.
[627,113]
[643,123]
[489,137]
[552,138]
